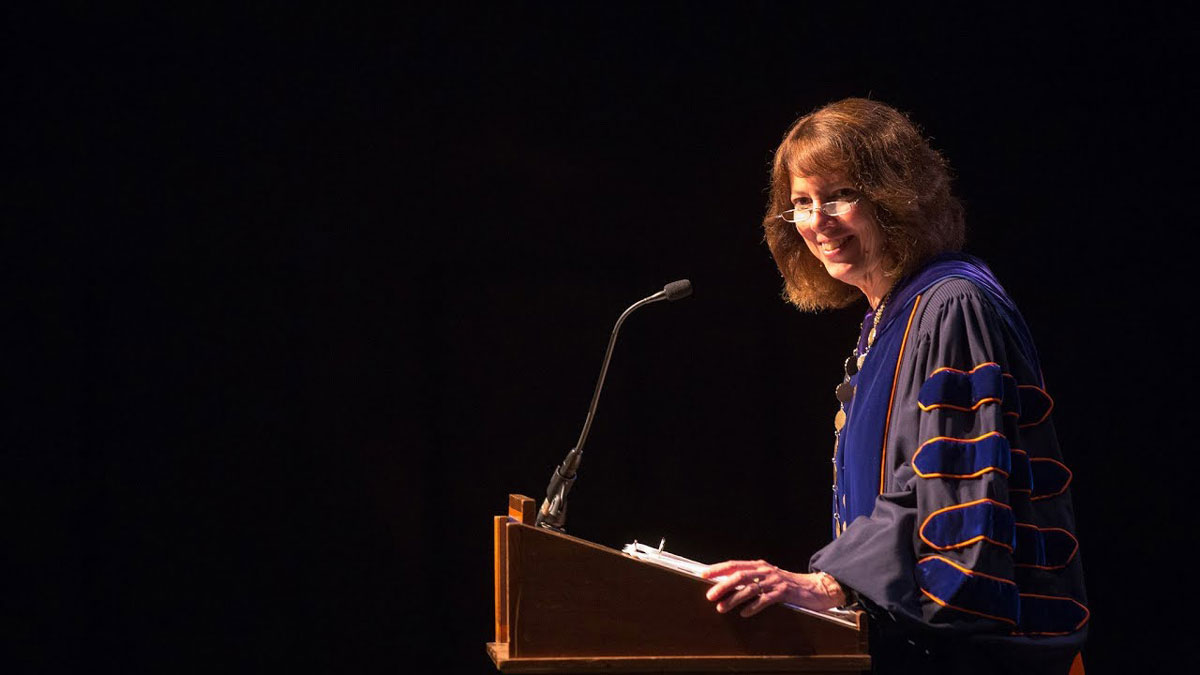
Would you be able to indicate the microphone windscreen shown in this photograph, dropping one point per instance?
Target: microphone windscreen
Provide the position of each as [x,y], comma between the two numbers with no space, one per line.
[677,290]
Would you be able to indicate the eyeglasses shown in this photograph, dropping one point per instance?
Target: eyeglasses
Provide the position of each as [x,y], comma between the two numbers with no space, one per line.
[837,207]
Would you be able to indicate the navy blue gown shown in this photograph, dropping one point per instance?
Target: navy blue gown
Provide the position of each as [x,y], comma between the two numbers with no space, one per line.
[953,522]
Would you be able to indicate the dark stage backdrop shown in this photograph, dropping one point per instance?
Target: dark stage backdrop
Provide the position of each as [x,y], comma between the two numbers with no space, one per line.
[298,297]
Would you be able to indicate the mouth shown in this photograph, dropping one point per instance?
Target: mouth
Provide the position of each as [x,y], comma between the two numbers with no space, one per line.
[833,245]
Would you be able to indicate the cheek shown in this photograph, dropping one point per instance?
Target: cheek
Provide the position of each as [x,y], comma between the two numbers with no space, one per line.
[870,241]
[878,240]
[871,237]
[810,242]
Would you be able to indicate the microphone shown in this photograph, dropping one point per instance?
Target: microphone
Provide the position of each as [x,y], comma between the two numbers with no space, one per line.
[553,513]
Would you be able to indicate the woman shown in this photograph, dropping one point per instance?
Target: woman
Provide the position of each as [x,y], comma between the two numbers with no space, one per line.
[952,517]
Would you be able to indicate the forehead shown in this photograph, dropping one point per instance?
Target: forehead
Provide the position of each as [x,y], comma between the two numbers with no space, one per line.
[816,185]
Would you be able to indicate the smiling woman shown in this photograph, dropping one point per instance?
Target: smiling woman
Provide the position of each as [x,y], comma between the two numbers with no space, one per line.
[875,151]
[845,238]
[966,561]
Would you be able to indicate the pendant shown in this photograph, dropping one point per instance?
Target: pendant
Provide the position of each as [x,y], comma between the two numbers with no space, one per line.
[839,421]
[861,357]
[844,392]
[871,337]
[852,365]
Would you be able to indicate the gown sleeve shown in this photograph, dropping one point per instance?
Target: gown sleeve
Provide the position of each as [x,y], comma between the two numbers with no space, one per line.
[976,509]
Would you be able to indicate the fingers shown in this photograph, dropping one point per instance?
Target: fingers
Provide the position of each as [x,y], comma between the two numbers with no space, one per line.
[755,584]
[724,568]
[736,580]
[740,596]
[762,602]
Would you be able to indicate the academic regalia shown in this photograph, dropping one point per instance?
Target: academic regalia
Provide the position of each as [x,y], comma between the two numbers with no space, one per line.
[953,522]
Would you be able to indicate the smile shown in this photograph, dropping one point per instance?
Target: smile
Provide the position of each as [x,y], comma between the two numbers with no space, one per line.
[833,244]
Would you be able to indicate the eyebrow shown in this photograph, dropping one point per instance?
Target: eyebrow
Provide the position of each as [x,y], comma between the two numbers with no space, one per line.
[832,193]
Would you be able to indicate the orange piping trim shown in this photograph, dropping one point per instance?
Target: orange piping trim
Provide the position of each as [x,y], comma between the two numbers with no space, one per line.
[1048,529]
[1014,414]
[1087,614]
[1066,484]
[1048,410]
[965,372]
[968,572]
[965,570]
[892,398]
[1012,489]
[927,408]
[990,399]
[972,540]
[943,603]
[977,474]
[948,369]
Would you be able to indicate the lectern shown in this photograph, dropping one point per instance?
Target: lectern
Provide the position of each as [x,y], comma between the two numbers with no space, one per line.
[566,605]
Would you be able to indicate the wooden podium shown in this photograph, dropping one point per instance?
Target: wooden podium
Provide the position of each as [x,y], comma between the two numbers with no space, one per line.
[565,605]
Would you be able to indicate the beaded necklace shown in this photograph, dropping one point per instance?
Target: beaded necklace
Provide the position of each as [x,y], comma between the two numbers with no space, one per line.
[845,393]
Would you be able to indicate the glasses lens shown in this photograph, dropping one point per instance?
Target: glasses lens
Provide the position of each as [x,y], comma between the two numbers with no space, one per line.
[840,207]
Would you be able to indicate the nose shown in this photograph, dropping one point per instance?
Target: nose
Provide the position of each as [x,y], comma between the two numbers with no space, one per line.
[820,219]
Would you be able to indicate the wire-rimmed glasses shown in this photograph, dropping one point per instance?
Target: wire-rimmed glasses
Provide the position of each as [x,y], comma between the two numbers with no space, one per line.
[833,209]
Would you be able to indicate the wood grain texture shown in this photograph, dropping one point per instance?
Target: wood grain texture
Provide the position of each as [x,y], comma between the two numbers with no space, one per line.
[571,598]
[522,509]
[499,570]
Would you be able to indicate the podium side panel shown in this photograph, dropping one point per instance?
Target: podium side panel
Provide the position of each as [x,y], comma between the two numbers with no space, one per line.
[512,587]
[499,570]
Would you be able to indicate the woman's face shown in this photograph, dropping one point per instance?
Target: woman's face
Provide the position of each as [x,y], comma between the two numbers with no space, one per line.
[850,246]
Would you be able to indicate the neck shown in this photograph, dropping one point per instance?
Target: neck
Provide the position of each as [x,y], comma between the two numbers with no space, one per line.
[874,284]
[876,292]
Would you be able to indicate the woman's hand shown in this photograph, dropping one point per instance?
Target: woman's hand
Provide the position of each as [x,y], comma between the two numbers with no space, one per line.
[758,585]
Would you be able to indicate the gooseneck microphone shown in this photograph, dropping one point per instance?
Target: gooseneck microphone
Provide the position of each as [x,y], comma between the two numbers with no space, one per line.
[553,513]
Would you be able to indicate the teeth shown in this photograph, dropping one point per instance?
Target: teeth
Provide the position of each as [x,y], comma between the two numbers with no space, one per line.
[833,244]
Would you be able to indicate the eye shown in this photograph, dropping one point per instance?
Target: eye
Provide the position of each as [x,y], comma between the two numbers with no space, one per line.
[801,202]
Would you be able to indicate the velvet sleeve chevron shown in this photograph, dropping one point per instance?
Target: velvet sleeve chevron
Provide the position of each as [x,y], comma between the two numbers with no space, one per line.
[972,467]
[994,539]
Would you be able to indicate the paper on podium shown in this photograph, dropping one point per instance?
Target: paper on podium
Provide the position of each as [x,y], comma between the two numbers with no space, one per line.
[658,556]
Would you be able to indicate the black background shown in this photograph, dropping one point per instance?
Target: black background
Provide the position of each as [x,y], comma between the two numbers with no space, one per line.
[297,297]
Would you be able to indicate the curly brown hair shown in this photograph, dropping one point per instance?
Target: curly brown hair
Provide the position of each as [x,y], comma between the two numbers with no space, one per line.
[889,162]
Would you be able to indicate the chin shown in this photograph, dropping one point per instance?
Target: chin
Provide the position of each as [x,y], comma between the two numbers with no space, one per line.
[842,272]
